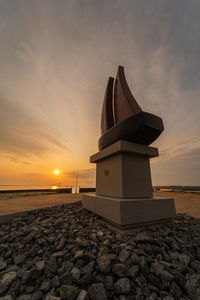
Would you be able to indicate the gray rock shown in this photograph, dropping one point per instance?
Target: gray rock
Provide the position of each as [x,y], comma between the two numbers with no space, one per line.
[88,268]
[82,243]
[45,286]
[78,254]
[104,265]
[134,258]
[97,292]
[86,279]
[185,259]
[175,290]
[100,233]
[82,295]
[49,297]
[108,257]
[75,273]
[38,295]
[28,238]
[59,222]
[58,254]
[103,251]
[24,297]
[8,278]
[159,271]
[25,277]
[109,283]
[68,292]
[196,265]
[19,259]
[40,265]
[51,266]
[123,255]
[133,271]
[122,286]
[8,297]
[30,289]
[192,286]
[61,244]
[13,268]
[55,281]
[119,270]
[3,265]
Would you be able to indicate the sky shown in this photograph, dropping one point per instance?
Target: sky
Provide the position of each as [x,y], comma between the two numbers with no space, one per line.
[55,60]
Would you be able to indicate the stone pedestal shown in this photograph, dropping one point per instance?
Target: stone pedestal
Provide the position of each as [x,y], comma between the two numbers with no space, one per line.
[124,189]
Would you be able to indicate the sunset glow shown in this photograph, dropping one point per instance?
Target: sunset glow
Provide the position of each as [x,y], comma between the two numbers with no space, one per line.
[57,57]
[54,187]
[56,172]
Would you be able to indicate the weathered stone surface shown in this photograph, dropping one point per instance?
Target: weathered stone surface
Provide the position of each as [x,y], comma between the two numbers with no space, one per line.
[75,273]
[68,292]
[97,292]
[61,244]
[8,297]
[19,259]
[119,270]
[45,286]
[82,295]
[105,265]
[52,298]
[123,256]
[154,266]
[40,265]
[192,286]
[78,254]
[8,279]
[122,286]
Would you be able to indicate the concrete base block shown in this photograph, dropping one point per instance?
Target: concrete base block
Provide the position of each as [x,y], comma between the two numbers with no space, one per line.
[130,213]
[123,170]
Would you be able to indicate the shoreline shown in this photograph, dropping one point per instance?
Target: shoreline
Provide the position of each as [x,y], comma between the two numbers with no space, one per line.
[188,203]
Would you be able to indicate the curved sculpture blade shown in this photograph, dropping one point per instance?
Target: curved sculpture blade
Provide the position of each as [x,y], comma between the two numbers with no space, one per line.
[107,120]
[125,104]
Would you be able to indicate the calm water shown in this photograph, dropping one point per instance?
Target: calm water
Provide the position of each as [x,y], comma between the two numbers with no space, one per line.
[30,187]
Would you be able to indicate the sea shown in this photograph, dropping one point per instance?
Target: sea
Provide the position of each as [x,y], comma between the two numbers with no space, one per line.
[16,191]
[9,187]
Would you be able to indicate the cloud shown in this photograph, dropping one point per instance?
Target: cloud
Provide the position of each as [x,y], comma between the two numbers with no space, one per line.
[56,57]
[86,177]
[24,134]
[15,160]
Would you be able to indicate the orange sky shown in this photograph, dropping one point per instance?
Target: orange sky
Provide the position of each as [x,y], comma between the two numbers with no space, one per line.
[55,59]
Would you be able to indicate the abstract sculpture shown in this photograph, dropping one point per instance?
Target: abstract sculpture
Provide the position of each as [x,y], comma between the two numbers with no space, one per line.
[123,119]
[124,193]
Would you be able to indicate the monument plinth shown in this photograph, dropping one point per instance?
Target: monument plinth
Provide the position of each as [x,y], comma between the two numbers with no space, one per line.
[124,194]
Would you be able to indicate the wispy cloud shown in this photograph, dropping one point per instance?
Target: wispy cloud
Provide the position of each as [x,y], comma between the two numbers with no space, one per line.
[85,177]
[56,57]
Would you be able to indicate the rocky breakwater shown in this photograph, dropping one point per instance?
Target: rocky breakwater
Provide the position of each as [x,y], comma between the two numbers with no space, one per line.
[65,252]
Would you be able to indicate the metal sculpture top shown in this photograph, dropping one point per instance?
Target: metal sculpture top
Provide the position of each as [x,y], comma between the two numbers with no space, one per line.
[123,119]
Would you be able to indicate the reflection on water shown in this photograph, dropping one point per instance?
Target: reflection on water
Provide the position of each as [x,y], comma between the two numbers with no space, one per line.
[9,187]
[54,187]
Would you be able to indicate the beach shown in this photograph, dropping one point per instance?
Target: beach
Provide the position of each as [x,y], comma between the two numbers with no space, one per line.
[188,203]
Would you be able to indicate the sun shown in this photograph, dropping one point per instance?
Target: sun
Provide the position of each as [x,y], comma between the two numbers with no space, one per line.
[56,172]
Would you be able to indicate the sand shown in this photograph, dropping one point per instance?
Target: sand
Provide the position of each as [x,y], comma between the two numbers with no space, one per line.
[188,203]
[37,201]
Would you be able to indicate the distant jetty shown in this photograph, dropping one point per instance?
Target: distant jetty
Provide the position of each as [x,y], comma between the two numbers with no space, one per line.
[177,188]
